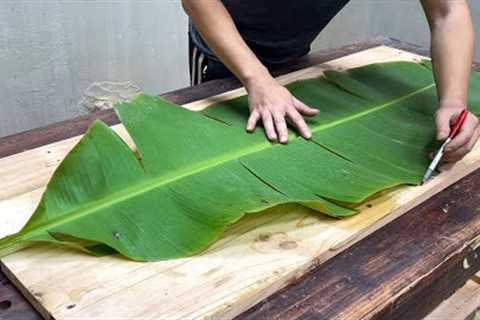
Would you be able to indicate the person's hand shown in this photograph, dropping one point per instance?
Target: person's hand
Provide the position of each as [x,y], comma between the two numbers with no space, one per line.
[273,104]
[468,135]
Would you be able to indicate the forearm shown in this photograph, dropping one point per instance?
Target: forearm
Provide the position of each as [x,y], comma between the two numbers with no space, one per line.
[452,54]
[217,28]
[452,49]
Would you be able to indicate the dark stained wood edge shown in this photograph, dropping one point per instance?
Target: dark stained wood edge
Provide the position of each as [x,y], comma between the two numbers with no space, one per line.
[31,139]
[12,304]
[402,271]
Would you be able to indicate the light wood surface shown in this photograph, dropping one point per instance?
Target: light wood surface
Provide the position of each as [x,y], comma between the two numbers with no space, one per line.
[256,257]
[460,306]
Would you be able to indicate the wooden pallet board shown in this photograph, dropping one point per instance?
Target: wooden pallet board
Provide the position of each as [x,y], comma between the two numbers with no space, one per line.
[460,306]
[256,257]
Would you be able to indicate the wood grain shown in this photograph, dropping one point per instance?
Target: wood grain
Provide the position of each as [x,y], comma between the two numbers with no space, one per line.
[462,305]
[12,304]
[402,271]
[255,258]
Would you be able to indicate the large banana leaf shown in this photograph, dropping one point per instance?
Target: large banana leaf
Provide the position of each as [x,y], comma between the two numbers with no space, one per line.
[200,172]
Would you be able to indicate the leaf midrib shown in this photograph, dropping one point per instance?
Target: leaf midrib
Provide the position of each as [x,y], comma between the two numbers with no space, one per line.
[156,182]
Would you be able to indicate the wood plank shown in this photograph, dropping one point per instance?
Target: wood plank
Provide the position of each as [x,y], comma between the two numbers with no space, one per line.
[402,271]
[254,259]
[460,306]
[12,303]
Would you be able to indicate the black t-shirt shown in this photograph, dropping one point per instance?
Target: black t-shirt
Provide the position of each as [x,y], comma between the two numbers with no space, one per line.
[277,31]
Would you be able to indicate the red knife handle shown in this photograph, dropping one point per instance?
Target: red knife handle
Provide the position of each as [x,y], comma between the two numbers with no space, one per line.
[455,128]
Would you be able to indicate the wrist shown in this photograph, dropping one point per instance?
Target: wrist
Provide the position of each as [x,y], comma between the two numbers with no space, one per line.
[259,78]
[453,102]
[453,98]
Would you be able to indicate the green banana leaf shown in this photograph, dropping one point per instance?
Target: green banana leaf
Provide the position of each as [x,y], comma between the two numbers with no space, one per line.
[200,172]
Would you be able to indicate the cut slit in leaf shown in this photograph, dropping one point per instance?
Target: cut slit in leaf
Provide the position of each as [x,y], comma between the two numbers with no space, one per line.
[200,172]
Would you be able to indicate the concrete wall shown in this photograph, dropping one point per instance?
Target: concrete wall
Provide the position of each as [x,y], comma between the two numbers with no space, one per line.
[400,19]
[51,52]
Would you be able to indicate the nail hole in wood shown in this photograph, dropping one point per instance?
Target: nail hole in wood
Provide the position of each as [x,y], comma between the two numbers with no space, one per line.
[71,306]
[263,237]
[5,304]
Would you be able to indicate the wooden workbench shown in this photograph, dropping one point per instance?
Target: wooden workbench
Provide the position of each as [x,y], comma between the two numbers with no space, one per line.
[401,271]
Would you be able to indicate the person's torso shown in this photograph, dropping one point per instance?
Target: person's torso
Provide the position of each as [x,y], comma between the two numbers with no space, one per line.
[278,30]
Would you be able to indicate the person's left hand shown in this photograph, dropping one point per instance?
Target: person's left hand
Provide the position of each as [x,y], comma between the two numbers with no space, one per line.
[467,137]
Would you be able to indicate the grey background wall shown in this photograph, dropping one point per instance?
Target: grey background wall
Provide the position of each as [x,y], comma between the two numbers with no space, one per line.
[55,56]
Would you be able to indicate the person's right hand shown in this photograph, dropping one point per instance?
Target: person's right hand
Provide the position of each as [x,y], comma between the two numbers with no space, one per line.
[273,104]
[467,137]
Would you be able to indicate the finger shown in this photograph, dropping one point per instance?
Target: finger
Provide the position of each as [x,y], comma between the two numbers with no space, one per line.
[466,133]
[454,157]
[281,127]
[442,121]
[304,109]
[461,152]
[474,139]
[252,121]
[299,123]
[457,155]
[268,125]
[445,166]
